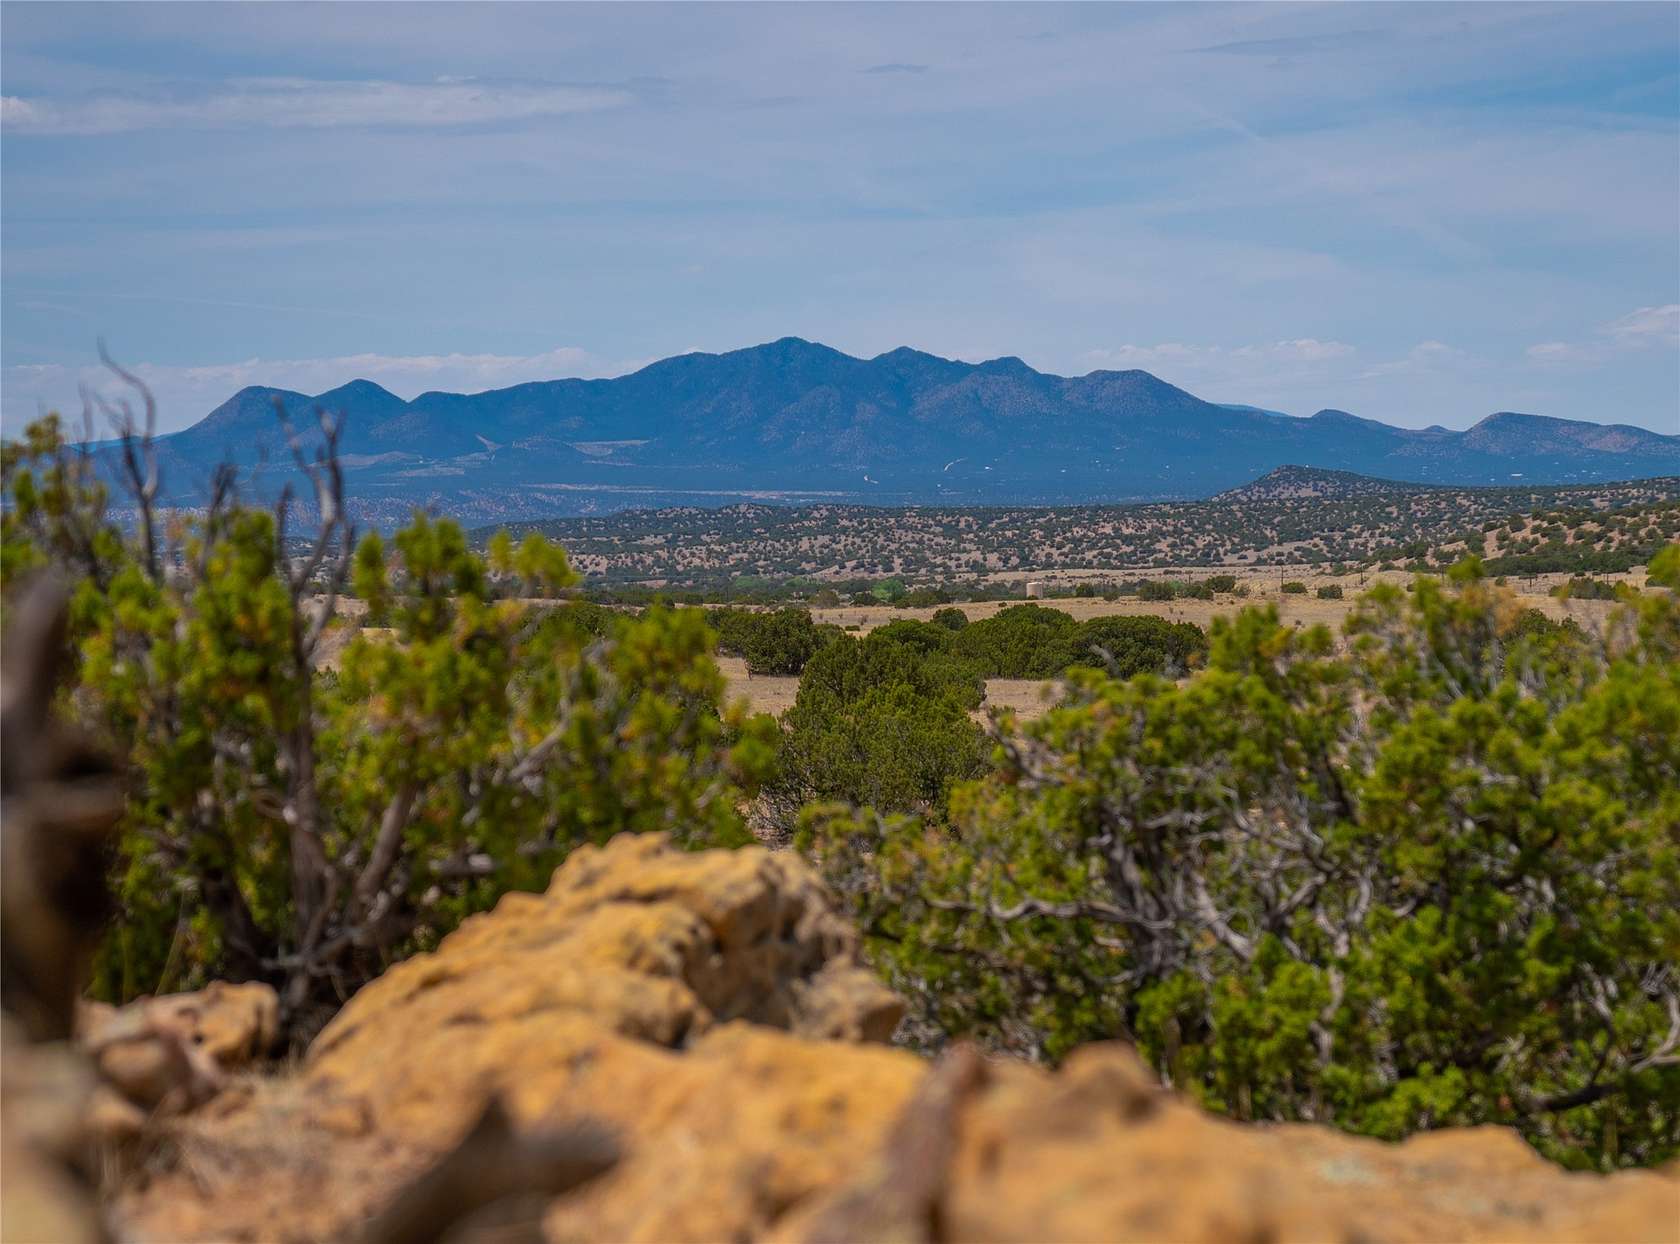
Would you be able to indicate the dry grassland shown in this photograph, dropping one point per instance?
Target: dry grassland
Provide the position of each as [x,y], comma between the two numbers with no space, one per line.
[1307,610]
[1028,697]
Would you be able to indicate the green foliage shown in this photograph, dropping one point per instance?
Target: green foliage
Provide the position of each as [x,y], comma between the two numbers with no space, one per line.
[1032,641]
[1294,588]
[952,619]
[776,642]
[49,489]
[1172,589]
[542,567]
[1023,641]
[883,721]
[499,553]
[1428,878]
[1125,646]
[307,825]
[1330,591]
[1585,589]
[923,597]
[1664,570]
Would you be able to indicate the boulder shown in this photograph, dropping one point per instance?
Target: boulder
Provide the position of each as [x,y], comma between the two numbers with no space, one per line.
[635,939]
[1098,1152]
[711,1011]
[170,1054]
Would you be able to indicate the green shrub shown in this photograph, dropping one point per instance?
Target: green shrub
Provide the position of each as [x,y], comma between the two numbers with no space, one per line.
[1429,878]
[1126,646]
[1330,591]
[1023,641]
[951,619]
[883,721]
[774,642]
[1294,588]
[1585,589]
[924,597]
[309,828]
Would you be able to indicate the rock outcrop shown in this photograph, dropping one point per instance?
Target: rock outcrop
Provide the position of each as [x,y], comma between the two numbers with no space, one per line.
[163,1056]
[711,1011]
[1098,1151]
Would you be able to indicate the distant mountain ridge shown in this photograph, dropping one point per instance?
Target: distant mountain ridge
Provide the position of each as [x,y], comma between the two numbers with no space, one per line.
[794,420]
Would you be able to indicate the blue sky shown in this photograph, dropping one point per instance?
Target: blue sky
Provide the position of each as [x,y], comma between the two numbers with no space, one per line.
[1421,213]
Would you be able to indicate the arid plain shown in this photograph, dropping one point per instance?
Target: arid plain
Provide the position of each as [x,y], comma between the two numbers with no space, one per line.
[1031,697]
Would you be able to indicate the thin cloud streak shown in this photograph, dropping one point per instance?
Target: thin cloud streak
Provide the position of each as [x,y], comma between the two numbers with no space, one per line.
[1424,358]
[304,103]
[189,301]
[1644,328]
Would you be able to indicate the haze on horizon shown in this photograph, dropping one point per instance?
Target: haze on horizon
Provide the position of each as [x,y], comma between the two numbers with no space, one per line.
[1421,213]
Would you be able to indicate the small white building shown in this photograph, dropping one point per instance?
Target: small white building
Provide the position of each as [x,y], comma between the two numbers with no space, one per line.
[1035,589]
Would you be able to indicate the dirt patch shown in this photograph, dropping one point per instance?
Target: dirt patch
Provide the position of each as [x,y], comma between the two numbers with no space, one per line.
[1027,698]
[762,692]
[1293,609]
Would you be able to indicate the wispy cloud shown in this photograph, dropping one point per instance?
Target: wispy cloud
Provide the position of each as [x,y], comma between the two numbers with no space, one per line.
[1299,45]
[1644,328]
[305,103]
[1425,358]
[1268,372]
[1233,359]
[1647,326]
[896,67]
[209,240]
[186,393]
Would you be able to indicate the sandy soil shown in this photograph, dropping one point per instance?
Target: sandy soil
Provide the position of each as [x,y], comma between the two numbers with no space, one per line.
[1306,610]
[763,693]
[1028,697]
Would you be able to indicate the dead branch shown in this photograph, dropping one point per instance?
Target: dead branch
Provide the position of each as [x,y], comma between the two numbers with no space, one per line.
[139,457]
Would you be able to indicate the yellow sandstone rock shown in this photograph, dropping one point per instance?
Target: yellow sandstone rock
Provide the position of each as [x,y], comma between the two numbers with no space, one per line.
[711,1010]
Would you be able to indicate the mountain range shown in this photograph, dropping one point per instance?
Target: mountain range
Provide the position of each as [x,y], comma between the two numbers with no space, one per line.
[797,421]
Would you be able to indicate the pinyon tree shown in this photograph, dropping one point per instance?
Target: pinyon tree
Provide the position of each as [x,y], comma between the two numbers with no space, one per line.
[1430,878]
[305,820]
